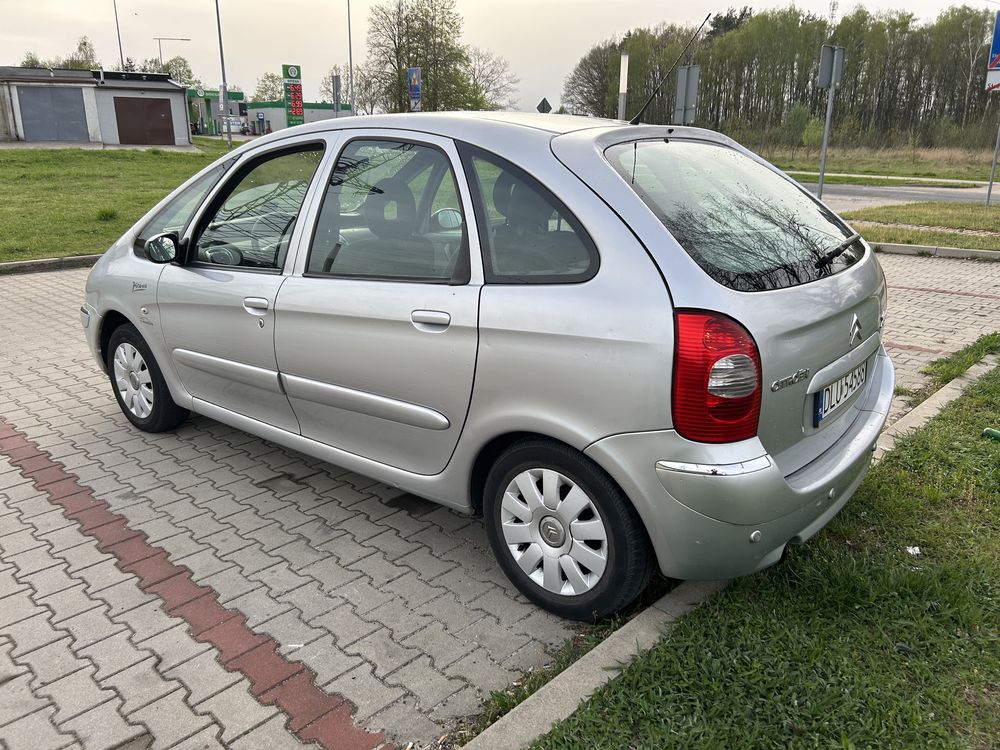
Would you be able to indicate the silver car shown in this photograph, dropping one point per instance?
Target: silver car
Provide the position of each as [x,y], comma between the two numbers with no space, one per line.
[626,347]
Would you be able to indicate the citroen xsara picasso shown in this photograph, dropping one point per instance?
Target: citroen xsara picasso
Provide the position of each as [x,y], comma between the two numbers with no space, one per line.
[624,346]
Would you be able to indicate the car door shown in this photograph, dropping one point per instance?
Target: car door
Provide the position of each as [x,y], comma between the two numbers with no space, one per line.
[376,331]
[217,309]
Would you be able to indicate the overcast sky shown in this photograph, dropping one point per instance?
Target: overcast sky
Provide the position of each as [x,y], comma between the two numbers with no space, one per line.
[542,39]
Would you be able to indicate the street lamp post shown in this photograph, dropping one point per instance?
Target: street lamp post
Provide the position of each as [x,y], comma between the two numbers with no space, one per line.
[350,60]
[161,39]
[223,101]
[118,29]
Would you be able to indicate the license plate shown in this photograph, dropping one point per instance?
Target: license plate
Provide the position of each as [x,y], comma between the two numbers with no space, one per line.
[839,392]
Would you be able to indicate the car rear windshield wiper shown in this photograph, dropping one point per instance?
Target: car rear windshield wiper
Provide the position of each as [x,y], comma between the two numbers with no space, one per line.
[828,256]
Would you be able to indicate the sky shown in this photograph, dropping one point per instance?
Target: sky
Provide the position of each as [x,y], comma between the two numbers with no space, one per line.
[542,39]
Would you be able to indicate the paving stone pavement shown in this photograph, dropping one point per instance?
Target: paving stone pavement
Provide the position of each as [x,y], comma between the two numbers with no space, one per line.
[392,603]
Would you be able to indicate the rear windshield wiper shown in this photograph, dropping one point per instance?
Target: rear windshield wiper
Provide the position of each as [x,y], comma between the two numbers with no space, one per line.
[829,255]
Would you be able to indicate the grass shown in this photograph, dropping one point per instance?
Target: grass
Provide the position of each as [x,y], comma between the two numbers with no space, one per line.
[78,201]
[942,371]
[811,180]
[933,238]
[934,214]
[942,163]
[853,641]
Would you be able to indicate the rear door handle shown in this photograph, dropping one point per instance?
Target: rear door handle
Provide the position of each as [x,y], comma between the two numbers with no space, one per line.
[430,320]
[255,305]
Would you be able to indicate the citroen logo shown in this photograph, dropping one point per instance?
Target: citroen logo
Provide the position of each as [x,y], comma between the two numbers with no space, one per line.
[855,330]
[552,531]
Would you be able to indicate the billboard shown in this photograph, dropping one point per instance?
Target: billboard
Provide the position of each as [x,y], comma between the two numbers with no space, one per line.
[294,114]
[993,64]
[415,85]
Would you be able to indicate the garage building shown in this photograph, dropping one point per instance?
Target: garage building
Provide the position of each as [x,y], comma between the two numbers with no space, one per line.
[39,104]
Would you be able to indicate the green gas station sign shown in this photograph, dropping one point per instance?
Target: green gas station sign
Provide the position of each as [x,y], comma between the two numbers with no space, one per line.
[294,114]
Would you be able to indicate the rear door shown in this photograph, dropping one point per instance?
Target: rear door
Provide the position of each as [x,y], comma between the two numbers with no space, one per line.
[377,331]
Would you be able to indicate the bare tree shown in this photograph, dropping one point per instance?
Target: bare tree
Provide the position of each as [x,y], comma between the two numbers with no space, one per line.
[491,80]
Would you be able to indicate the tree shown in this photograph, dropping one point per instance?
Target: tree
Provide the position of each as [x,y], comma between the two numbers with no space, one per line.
[180,70]
[31,60]
[270,87]
[84,57]
[491,81]
[368,96]
[587,89]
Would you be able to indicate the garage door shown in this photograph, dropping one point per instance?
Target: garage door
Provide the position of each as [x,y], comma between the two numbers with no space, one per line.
[52,113]
[144,121]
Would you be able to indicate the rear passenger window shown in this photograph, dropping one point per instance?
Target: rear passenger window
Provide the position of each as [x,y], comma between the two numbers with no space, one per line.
[527,234]
[391,211]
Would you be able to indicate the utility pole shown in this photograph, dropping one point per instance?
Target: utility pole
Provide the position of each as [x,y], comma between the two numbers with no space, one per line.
[223,94]
[993,170]
[350,61]
[121,54]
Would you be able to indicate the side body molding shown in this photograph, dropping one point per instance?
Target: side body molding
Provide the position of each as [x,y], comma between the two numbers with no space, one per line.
[363,402]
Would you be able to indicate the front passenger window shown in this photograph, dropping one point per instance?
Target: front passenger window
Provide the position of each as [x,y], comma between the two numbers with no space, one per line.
[252,226]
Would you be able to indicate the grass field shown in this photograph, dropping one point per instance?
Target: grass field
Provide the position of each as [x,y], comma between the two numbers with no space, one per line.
[855,640]
[76,202]
[929,224]
[944,163]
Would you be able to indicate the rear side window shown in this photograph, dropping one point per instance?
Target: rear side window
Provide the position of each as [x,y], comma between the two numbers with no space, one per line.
[527,234]
[747,227]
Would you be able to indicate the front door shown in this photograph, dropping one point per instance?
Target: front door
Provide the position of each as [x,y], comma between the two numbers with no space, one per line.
[217,310]
[377,330]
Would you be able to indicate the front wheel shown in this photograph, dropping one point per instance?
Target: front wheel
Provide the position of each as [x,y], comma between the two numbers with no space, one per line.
[138,384]
[564,532]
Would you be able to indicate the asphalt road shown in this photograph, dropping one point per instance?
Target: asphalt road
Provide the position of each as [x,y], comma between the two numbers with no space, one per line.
[845,197]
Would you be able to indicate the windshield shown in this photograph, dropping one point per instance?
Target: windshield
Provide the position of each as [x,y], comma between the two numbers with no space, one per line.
[746,226]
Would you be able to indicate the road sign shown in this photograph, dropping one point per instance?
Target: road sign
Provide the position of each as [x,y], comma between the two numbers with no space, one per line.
[687,94]
[831,66]
[415,85]
[543,106]
[260,116]
[993,64]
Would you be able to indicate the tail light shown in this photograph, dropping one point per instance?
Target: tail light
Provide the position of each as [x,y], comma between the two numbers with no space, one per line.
[717,382]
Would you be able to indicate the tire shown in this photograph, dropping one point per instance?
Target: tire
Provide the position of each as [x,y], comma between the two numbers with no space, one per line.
[544,502]
[138,383]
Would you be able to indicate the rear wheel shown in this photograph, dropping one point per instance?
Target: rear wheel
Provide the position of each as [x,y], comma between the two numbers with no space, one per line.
[563,531]
[138,384]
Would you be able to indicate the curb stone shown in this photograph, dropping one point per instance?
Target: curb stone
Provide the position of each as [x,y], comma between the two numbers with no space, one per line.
[561,696]
[936,252]
[48,264]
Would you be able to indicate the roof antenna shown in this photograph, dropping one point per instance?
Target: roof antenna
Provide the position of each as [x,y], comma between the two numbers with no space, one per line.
[638,115]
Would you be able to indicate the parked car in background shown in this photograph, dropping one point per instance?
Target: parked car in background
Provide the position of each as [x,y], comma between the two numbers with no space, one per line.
[628,348]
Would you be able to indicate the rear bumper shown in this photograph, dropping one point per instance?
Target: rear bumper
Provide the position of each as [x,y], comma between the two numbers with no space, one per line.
[727,510]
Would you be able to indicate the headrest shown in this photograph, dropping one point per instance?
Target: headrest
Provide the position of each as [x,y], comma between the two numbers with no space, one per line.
[399,223]
[501,192]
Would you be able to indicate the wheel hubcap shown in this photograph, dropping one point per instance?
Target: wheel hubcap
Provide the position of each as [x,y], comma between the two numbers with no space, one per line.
[554,532]
[133,380]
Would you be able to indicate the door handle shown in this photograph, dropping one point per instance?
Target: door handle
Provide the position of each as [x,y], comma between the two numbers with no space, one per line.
[255,305]
[430,320]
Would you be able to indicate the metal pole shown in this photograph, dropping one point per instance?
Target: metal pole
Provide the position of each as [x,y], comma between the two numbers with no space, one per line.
[159,45]
[993,169]
[350,60]
[121,54]
[622,85]
[826,140]
[224,104]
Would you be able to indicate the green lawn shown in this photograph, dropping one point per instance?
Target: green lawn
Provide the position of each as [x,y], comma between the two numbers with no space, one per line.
[944,163]
[78,201]
[852,642]
[932,222]
[811,180]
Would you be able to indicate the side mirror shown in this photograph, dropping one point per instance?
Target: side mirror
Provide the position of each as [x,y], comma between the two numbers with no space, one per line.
[447,218]
[162,248]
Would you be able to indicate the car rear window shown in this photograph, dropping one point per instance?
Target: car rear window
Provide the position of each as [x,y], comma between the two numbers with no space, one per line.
[746,226]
